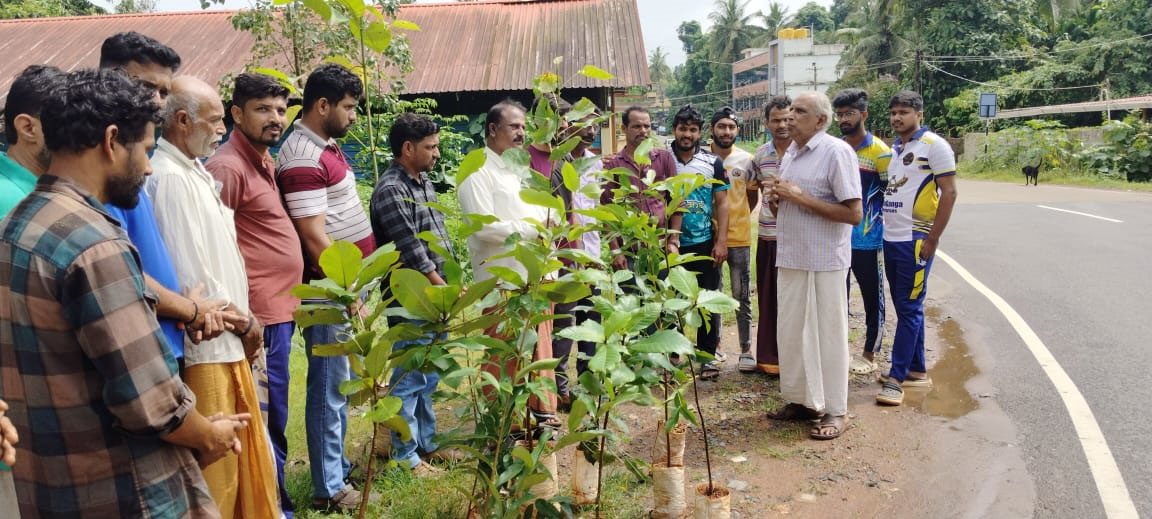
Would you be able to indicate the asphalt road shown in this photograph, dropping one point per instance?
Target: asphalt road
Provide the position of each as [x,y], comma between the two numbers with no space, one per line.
[1085,286]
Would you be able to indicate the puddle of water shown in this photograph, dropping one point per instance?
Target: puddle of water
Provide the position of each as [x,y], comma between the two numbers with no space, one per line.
[948,397]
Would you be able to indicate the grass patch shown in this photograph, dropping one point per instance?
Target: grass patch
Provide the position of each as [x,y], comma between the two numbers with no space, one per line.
[1056,176]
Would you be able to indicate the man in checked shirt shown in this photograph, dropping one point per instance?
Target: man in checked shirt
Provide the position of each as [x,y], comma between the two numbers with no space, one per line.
[108,429]
[398,213]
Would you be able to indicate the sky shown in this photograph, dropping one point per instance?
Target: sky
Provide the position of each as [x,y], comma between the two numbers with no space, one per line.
[658,18]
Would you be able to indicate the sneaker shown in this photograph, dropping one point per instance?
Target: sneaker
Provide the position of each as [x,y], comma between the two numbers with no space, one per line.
[747,363]
[709,370]
[424,470]
[346,500]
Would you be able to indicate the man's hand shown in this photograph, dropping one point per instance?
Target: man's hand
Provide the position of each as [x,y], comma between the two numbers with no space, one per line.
[672,247]
[250,331]
[620,262]
[8,437]
[207,323]
[786,190]
[222,438]
[358,309]
[928,248]
[720,252]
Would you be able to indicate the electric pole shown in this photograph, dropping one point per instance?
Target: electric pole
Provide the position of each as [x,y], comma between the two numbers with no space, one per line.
[916,76]
[814,68]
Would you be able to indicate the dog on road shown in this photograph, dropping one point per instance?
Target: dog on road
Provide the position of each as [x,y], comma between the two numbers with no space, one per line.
[1032,173]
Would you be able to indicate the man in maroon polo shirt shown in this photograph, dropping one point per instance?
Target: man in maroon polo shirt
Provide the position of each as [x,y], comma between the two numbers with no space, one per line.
[267,239]
[637,126]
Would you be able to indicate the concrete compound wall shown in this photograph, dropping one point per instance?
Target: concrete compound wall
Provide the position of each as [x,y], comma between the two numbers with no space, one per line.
[973,143]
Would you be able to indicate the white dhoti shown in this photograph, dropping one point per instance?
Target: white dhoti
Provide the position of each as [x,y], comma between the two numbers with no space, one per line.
[812,331]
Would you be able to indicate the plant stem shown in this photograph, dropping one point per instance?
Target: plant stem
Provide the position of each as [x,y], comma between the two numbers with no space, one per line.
[371,466]
[667,434]
[368,101]
[703,426]
[600,458]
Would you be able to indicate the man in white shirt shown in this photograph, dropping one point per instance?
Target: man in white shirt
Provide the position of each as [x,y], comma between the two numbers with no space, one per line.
[817,201]
[199,231]
[494,190]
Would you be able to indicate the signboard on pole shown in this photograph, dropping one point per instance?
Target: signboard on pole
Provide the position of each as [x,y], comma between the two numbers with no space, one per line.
[987,106]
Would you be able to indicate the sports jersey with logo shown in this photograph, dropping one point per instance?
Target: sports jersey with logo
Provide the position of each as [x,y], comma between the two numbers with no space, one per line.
[739,168]
[912,197]
[696,227]
[874,157]
[767,163]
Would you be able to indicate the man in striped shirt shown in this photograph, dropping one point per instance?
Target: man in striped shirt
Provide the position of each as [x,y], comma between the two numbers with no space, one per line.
[319,191]
[777,115]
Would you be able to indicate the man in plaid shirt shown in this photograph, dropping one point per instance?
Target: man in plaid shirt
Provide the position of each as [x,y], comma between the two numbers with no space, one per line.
[399,214]
[108,429]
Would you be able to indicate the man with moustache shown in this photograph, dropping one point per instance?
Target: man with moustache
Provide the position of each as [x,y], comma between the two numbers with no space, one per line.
[817,200]
[109,430]
[399,215]
[777,116]
[703,205]
[267,239]
[851,106]
[494,190]
[27,157]
[201,235]
[637,124]
[739,168]
[917,207]
[319,191]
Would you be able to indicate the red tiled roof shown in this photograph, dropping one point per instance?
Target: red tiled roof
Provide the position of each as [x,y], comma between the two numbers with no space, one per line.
[462,46]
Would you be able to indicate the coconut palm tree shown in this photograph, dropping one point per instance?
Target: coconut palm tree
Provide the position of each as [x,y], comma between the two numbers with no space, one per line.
[875,38]
[658,69]
[732,30]
[775,19]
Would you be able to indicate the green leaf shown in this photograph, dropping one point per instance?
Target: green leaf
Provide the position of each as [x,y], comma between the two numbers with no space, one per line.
[293,111]
[310,292]
[540,365]
[663,341]
[397,423]
[406,25]
[716,302]
[598,213]
[312,315]
[606,358]
[351,387]
[522,454]
[356,7]
[620,375]
[616,321]
[377,36]
[546,83]
[677,305]
[573,438]
[377,359]
[472,162]
[583,108]
[454,377]
[642,151]
[589,331]
[645,317]
[684,281]
[340,60]
[377,264]
[518,157]
[341,262]
[408,287]
[570,176]
[320,7]
[595,73]
[506,274]
[576,415]
[565,291]
[475,293]
[543,199]
[329,350]
[564,148]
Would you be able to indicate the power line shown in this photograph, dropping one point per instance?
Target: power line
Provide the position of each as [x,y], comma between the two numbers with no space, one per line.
[1002,87]
[706,94]
[1043,53]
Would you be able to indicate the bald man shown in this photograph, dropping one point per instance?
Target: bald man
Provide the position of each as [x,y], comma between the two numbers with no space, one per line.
[199,231]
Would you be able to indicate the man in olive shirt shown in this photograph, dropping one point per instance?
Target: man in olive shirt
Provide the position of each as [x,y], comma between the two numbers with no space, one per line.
[27,157]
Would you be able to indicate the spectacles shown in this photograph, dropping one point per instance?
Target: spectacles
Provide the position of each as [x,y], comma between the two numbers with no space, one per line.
[845,115]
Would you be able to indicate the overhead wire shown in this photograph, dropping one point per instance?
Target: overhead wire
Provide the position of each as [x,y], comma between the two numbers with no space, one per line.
[1003,87]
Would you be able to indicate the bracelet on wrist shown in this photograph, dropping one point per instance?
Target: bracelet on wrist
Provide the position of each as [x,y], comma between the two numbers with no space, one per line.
[195,313]
[251,322]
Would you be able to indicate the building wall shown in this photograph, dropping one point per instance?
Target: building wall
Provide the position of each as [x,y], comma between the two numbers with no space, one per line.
[785,68]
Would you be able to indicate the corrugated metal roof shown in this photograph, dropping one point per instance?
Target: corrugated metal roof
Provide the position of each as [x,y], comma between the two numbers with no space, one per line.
[208,45]
[1125,103]
[503,45]
[466,46]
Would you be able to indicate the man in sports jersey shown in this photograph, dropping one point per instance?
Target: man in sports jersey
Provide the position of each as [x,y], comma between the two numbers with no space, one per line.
[851,107]
[738,166]
[696,234]
[319,190]
[917,206]
[777,115]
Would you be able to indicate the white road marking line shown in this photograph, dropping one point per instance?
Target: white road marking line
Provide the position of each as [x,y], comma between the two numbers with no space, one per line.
[1113,220]
[1109,482]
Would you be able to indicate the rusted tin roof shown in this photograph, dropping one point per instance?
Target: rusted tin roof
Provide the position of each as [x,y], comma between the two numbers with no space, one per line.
[462,46]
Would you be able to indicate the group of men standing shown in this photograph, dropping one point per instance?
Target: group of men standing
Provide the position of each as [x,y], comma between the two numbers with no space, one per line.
[145,305]
[146,308]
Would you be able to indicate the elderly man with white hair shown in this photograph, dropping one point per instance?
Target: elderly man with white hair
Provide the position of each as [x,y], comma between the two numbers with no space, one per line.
[817,201]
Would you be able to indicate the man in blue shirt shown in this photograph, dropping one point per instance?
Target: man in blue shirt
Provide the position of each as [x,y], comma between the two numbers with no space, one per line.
[153,63]
[27,157]
[705,207]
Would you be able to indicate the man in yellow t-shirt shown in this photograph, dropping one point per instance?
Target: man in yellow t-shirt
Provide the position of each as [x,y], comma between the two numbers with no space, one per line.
[738,164]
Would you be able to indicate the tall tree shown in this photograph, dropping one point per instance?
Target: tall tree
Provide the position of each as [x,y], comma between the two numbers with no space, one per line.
[775,19]
[875,38]
[732,30]
[843,9]
[658,69]
[814,16]
[43,8]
